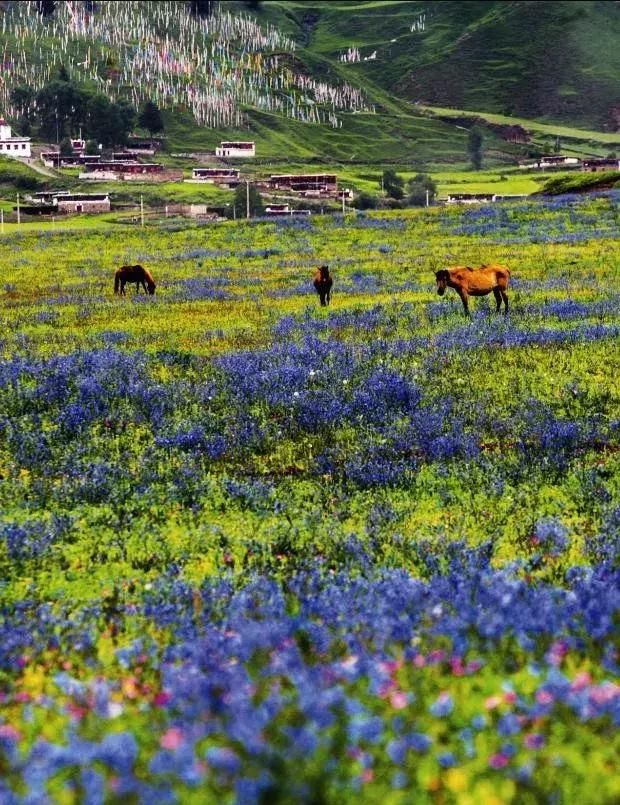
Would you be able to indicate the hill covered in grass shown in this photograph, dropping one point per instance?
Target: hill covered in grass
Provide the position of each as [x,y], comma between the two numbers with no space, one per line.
[552,60]
[339,83]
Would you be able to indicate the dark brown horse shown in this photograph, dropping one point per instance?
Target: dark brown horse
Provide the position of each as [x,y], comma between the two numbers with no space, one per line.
[468,282]
[323,284]
[141,276]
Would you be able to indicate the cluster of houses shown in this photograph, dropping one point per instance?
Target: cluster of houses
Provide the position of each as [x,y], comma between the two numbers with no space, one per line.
[562,162]
[126,165]
[121,165]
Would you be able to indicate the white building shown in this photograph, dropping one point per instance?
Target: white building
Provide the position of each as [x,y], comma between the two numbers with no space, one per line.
[236,149]
[13,146]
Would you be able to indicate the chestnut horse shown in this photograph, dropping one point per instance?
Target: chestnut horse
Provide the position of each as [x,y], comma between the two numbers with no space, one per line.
[323,284]
[468,282]
[138,274]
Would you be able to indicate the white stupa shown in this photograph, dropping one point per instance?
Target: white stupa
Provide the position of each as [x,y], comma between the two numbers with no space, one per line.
[13,146]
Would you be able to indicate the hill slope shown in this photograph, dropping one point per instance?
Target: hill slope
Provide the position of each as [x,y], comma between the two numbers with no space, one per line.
[355,66]
[556,60]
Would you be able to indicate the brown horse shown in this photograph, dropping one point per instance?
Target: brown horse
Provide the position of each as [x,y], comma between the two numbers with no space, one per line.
[141,276]
[323,284]
[468,282]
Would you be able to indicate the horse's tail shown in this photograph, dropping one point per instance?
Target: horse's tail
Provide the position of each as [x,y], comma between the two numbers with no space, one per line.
[117,281]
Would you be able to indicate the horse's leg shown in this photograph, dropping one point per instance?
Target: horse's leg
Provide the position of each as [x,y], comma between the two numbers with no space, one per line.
[323,302]
[498,299]
[505,298]
[464,300]
[122,287]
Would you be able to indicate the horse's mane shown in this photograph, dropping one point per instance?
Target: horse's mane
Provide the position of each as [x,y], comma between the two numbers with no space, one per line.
[148,276]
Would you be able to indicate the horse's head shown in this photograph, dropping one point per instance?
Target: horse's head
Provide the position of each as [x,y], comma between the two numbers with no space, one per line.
[324,272]
[151,287]
[442,278]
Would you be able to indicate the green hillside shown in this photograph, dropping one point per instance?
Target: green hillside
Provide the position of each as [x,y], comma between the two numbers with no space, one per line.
[396,69]
[557,61]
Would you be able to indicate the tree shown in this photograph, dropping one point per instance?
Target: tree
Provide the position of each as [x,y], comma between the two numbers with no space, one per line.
[91,148]
[60,109]
[417,189]
[22,97]
[474,147]
[150,118]
[239,205]
[63,74]
[365,201]
[393,184]
[107,122]
[66,149]
[101,122]
[128,118]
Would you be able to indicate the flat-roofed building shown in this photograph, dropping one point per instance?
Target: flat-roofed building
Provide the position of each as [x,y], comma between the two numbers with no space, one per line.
[230,148]
[216,175]
[13,146]
[311,184]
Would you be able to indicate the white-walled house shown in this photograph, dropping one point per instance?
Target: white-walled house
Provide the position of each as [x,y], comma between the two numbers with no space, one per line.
[13,146]
[236,149]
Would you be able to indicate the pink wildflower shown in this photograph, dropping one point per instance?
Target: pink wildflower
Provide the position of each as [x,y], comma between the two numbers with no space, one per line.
[499,760]
[492,702]
[544,697]
[398,699]
[171,739]
[581,681]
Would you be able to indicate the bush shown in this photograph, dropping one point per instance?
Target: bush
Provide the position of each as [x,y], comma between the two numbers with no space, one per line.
[366,201]
[417,189]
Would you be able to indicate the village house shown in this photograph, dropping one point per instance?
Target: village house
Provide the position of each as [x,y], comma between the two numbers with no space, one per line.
[63,202]
[595,165]
[309,184]
[555,161]
[236,149]
[482,198]
[83,202]
[225,176]
[113,169]
[137,146]
[13,146]
[54,159]
[278,209]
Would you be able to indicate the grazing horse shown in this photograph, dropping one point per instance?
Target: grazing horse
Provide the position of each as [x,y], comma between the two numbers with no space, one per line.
[323,284]
[468,282]
[141,276]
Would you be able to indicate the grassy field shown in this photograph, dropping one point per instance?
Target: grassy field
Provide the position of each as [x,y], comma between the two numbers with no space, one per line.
[255,549]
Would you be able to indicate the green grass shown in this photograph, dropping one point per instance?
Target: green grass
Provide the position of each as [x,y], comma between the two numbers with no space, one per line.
[610,139]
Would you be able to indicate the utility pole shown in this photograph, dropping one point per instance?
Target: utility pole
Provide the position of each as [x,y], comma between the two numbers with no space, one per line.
[247,199]
[427,197]
[19,219]
[2,221]
[141,210]
[343,212]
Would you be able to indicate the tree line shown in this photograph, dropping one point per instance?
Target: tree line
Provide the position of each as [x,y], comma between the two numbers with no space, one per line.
[63,108]
[417,192]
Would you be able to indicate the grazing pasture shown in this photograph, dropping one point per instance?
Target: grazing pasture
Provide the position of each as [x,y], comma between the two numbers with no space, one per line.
[257,550]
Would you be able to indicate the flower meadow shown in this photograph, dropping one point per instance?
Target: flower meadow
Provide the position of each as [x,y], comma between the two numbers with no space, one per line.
[256,551]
